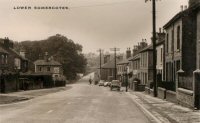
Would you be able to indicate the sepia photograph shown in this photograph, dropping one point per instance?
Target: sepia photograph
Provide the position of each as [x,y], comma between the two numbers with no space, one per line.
[99,61]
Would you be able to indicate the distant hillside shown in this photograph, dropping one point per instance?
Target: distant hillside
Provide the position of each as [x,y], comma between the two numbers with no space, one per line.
[61,48]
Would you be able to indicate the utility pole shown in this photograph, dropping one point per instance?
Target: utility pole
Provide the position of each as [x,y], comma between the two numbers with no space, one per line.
[100,52]
[154,45]
[115,58]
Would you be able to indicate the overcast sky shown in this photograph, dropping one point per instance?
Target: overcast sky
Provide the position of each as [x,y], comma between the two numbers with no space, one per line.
[91,23]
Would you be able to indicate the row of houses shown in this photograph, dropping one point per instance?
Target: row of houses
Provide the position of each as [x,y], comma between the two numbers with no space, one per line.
[19,73]
[177,60]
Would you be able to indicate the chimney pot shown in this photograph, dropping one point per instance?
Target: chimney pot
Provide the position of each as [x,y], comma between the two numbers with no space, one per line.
[46,56]
[181,7]
[160,30]
[185,7]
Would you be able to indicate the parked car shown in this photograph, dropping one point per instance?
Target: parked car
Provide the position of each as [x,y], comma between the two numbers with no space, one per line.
[101,83]
[107,84]
[115,84]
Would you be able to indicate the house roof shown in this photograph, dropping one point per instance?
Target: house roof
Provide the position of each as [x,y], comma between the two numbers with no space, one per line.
[15,52]
[124,61]
[175,18]
[182,14]
[148,48]
[110,64]
[50,62]
[132,58]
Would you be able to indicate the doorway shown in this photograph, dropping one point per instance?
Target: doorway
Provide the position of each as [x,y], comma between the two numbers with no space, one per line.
[2,85]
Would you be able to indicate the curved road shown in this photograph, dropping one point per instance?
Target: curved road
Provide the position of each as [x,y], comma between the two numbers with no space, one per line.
[83,103]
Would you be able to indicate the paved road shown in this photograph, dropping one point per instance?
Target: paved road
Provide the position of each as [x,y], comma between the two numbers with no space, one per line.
[83,103]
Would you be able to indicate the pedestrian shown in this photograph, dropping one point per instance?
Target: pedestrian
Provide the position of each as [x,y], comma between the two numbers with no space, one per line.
[90,81]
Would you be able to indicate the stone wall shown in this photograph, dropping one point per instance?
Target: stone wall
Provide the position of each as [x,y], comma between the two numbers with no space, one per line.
[171,96]
[11,84]
[185,97]
[161,93]
[147,90]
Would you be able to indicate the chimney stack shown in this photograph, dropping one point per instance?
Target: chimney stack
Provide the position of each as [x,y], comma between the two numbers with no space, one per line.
[23,53]
[128,53]
[106,58]
[160,30]
[46,56]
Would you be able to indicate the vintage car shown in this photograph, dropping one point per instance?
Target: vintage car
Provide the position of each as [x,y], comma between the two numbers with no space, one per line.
[115,84]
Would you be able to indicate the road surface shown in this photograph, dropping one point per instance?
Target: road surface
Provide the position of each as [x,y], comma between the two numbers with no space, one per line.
[83,103]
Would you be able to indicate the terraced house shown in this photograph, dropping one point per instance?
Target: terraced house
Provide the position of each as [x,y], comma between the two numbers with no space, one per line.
[182,54]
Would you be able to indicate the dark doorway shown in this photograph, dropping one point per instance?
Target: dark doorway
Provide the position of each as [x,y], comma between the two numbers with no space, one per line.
[197,90]
[2,84]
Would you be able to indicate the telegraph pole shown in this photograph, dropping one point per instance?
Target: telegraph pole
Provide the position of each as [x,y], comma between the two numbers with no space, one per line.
[115,58]
[100,52]
[154,45]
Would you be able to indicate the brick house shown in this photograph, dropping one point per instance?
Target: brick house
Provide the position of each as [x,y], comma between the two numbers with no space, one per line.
[3,67]
[123,67]
[16,61]
[146,65]
[181,53]
[108,68]
[49,66]
[14,65]
[136,62]
[160,55]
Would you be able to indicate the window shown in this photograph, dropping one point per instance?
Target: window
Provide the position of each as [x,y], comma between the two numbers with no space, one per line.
[167,43]
[161,54]
[6,59]
[172,41]
[48,68]
[178,65]
[40,68]
[178,37]
[17,63]
[2,59]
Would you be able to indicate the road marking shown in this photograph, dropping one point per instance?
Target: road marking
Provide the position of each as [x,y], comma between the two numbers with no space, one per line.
[49,111]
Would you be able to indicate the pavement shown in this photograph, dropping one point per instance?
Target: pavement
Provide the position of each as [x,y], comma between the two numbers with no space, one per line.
[84,103]
[162,111]
[19,96]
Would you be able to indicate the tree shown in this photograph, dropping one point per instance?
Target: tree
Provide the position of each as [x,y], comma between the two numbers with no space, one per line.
[62,49]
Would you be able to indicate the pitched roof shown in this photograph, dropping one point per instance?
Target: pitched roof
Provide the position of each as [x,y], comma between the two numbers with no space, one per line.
[182,14]
[148,48]
[124,61]
[175,18]
[50,62]
[110,64]
[15,52]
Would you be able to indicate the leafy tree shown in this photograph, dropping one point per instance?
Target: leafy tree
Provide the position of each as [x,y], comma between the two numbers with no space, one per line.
[64,50]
